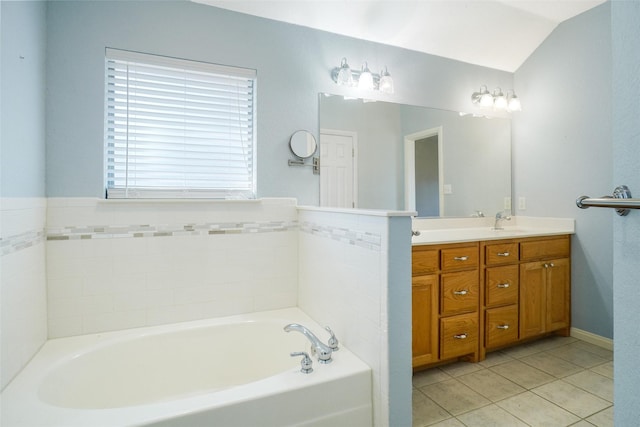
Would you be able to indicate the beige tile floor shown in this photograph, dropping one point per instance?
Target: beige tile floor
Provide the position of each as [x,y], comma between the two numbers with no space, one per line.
[555,381]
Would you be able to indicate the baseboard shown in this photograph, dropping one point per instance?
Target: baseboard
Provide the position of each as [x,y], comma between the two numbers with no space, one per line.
[594,339]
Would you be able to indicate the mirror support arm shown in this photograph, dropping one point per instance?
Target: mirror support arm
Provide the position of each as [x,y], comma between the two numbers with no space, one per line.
[300,162]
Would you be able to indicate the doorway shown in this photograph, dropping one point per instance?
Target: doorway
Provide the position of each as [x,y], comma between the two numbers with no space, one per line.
[423,172]
[338,168]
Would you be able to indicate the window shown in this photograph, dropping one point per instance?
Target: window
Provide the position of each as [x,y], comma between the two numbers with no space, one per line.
[176,128]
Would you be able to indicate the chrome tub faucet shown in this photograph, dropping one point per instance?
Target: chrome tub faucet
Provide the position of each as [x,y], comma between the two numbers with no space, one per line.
[318,348]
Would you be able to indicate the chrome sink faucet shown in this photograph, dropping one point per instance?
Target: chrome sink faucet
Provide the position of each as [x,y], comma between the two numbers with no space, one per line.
[499,217]
[318,348]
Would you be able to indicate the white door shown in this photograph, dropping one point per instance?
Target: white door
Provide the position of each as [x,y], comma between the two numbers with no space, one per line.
[338,186]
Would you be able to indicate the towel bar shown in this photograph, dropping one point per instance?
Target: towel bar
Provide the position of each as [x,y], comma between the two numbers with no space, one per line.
[621,201]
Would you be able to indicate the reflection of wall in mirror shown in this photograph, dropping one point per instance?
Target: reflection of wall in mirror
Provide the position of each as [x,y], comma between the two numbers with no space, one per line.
[476,153]
[476,158]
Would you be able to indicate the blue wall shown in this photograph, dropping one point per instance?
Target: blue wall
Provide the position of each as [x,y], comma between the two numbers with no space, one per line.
[293,66]
[625,17]
[22,139]
[565,125]
[562,149]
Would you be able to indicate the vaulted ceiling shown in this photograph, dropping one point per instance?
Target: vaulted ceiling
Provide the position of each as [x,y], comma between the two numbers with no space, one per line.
[499,34]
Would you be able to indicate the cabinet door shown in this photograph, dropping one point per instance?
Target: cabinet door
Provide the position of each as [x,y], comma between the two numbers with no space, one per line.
[425,319]
[558,294]
[533,297]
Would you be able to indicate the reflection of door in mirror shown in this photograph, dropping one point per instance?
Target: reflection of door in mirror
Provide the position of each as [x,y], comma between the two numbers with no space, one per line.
[423,173]
[338,171]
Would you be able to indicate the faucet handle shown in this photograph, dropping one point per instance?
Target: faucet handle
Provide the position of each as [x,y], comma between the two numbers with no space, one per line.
[306,362]
[333,341]
[503,215]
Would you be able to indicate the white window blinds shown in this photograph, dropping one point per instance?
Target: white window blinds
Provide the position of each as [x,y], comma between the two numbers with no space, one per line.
[177,128]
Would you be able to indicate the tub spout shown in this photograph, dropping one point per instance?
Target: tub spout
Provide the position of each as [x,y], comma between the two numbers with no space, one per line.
[318,348]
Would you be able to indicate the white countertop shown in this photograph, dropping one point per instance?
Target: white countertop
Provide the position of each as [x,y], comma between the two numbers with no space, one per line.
[455,230]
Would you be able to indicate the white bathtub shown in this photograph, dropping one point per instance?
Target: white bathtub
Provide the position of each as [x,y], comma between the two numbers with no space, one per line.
[233,371]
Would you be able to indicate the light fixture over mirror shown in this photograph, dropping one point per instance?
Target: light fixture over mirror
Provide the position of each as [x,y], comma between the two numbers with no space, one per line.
[496,100]
[363,79]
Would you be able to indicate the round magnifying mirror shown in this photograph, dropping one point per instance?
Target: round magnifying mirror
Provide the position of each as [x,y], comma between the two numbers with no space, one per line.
[303,144]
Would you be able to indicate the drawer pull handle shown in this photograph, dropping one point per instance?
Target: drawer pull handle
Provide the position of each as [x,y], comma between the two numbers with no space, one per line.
[460,336]
[462,292]
[502,327]
[503,285]
[503,254]
[461,258]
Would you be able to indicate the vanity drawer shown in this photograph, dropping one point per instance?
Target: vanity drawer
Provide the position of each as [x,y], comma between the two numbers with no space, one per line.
[424,261]
[551,248]
[458,335]
[459,292]
[501,326]
[459,258]
[501,253]
[501,285]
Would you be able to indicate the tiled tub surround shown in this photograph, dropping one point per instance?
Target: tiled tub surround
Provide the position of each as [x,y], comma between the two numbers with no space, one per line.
[115,265]
[23,324]
[18,242]
[345,281]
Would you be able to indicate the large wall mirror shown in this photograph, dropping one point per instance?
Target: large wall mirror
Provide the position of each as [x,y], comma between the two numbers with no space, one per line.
[381,155]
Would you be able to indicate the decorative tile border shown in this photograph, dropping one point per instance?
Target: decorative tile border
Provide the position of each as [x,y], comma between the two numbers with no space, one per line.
[372,241]
[366,240]
[128,231]
[20,241]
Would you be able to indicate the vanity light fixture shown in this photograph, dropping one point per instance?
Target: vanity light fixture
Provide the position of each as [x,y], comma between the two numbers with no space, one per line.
[363,79]
[344,77]
[366,78]
[386,82]
[483,98]
[513,102]
[498,100]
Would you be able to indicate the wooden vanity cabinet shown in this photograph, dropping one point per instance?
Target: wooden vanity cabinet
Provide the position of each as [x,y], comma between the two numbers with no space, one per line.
[445,296]
[501,294]
[470,298]
[526,290]
[545,295]
[424,303]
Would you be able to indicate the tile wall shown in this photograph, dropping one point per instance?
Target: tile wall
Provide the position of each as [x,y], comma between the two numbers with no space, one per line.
[107,265]
[23,305]
[115,265]
[343,283]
